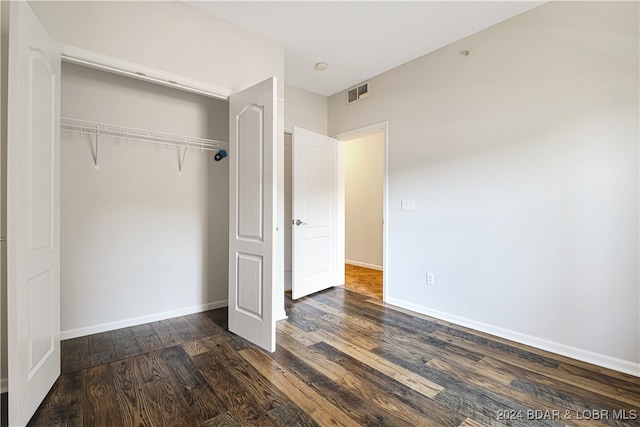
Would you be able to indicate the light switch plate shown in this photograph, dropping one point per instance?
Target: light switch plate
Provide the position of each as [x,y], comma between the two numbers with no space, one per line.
[408,205]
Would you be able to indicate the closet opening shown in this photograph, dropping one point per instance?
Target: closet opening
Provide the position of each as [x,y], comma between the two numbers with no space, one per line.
[144,227]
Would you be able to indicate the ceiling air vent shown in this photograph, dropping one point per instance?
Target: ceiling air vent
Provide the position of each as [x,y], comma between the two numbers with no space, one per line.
[357,93]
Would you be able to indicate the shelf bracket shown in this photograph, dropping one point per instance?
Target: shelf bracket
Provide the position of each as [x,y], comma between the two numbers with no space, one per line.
[182,157]
[94,151]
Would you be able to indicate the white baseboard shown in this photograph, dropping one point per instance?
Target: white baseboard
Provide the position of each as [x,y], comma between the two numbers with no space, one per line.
[363,264]
[588,356]
[110,326]
[4,385]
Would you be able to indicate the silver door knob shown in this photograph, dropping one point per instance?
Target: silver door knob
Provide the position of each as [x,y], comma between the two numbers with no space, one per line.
[298,222]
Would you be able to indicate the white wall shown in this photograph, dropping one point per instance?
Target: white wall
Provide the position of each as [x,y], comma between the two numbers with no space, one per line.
[523,161]
[167,35]
[364,192]
[138,241]
[304,109]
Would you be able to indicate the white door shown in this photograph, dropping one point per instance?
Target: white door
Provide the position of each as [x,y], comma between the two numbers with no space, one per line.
[33,220]
[253,213]
[318,213]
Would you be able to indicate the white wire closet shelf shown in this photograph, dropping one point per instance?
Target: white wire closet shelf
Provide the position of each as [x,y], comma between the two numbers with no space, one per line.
[127,133]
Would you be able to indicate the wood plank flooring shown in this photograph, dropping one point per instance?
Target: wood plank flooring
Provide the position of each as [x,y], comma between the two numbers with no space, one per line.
[363,280]
[343,359]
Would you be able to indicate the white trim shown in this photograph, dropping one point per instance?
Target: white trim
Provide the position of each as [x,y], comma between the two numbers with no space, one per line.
[341,214]
[111,64]
[4,385]
[588,356]
[363,131]
[133,321]
[363,264]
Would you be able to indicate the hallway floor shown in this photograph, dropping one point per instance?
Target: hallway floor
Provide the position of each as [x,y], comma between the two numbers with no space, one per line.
[363,280]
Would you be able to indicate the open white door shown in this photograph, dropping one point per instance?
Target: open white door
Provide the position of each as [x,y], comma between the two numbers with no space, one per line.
[33,219]
[318,213]
[253,213]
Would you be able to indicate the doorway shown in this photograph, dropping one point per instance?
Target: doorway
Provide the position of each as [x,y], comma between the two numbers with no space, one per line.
[364,206]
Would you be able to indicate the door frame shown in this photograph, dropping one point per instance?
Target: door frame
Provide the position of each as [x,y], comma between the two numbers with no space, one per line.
[111,64]
[360,132]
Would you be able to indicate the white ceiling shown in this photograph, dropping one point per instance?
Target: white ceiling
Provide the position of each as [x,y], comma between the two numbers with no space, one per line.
[359,39]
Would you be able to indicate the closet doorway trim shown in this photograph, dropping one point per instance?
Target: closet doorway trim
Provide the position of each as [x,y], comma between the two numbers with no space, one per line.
[114,65]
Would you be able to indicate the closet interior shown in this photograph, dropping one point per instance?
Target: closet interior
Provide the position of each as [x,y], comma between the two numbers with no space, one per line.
[144,201]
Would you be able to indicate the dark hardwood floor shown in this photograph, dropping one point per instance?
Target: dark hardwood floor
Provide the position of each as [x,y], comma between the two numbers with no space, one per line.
[343,359]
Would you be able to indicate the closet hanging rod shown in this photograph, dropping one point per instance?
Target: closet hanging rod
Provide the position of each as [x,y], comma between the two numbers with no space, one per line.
[127,133]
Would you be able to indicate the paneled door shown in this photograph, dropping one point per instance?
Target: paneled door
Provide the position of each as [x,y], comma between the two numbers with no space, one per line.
[318,212]
[33,214]
[253,213]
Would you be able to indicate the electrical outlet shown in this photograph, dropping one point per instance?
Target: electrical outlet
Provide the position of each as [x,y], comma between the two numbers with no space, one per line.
[431,279]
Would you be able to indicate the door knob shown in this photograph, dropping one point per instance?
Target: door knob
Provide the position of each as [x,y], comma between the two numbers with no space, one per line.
[298,222]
